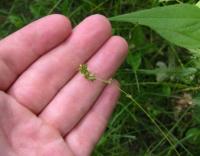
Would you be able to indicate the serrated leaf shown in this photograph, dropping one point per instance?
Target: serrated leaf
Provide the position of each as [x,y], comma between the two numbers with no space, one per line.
[179,24]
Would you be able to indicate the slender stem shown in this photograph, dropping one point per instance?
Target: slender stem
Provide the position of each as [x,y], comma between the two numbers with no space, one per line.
[137,82]
[169,133]
[152,120]
[109,81]
[54,7]
[83,69]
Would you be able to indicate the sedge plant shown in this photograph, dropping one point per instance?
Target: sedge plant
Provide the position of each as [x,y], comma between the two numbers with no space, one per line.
[83,69]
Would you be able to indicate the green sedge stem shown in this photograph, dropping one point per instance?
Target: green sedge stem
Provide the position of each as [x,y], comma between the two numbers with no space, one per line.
[83,69]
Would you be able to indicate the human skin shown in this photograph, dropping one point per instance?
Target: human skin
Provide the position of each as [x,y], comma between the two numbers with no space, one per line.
[47,108]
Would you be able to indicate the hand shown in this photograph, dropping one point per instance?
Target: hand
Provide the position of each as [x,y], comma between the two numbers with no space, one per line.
[47,108]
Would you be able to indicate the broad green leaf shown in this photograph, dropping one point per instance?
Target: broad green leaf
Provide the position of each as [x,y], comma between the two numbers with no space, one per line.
[179,24]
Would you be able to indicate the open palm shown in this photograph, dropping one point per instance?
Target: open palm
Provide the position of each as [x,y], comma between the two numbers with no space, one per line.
[46,107]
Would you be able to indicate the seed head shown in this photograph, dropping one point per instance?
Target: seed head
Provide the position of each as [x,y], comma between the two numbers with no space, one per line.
[83,69]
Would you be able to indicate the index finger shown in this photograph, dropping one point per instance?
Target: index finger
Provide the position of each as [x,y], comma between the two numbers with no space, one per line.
[22,48]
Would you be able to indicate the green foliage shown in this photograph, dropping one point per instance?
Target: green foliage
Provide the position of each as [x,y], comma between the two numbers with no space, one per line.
[134,60]
[163,73]
[166,90]
[17,21]
[179,24]
[193,135]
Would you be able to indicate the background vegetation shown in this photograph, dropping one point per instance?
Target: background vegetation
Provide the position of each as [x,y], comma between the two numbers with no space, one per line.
[161,77]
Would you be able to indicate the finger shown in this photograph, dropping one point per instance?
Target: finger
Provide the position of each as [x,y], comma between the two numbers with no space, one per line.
[25,133]
[75,99]
[22,48]
[48,75]
[87,133]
